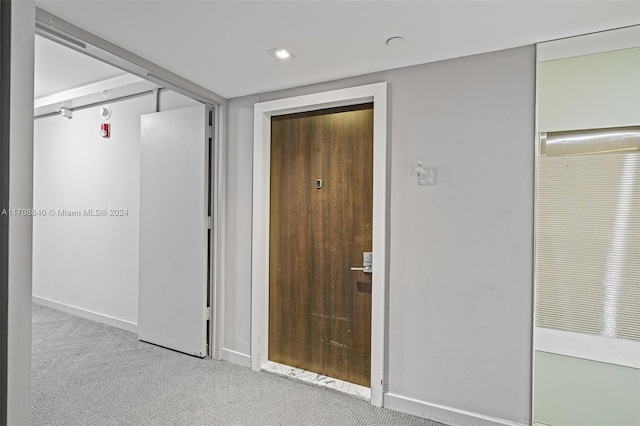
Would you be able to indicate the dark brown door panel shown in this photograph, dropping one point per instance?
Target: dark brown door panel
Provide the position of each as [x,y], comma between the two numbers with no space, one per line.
[320,310]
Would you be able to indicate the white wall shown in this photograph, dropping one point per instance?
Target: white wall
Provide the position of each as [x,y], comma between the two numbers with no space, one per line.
[91,263]
[20,197]
[589,91]
[576,391]
[460,290]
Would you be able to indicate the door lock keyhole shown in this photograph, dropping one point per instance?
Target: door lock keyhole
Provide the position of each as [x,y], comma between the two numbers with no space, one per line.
[318,183]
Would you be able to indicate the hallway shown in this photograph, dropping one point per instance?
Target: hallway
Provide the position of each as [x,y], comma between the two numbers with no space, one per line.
[87,373]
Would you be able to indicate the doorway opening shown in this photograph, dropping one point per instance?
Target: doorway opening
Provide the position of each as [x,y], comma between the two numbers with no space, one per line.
[87,169]
[261,250]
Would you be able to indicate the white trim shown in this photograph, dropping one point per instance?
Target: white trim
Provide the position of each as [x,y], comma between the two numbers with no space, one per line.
[536,150]
[235,357]
[442,413]
[84,313]
[586,346]
[376,93]
[605,41]
[217,246]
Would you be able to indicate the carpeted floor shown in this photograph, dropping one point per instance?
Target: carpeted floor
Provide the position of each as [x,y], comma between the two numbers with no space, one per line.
[87,373]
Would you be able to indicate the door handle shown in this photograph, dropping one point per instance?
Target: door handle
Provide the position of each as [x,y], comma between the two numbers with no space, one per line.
[367,263]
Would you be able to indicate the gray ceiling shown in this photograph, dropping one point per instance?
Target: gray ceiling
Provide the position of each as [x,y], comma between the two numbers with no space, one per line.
[222,45]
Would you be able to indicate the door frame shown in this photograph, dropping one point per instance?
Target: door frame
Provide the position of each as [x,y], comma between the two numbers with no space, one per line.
[5,145]
[263,111]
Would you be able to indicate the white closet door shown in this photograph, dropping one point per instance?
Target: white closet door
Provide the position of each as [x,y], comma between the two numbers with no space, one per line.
[173,229]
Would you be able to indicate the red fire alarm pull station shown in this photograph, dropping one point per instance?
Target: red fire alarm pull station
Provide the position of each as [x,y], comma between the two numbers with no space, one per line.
[105,130]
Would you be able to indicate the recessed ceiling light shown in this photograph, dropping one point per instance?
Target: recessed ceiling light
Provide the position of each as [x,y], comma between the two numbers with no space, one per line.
[281,53]
[395,41]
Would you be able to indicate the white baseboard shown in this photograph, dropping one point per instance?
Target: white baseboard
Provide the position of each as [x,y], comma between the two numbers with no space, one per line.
[94,316]
[236,357]
[441,413]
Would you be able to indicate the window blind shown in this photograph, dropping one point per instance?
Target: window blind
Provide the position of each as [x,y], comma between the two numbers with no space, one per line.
[588,236]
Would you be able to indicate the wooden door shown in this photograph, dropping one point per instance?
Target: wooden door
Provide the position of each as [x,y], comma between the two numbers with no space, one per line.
[319,309]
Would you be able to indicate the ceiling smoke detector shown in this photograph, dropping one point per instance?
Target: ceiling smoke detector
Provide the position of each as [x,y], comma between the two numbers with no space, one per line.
[395,41]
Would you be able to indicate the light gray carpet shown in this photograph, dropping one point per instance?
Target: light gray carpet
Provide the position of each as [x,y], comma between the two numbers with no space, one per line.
[87,373]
